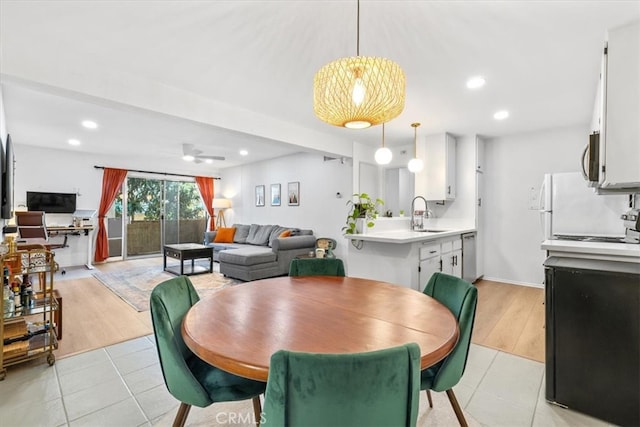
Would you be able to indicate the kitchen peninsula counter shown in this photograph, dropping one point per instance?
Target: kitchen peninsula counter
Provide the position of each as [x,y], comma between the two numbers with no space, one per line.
[391,252]
[406,236]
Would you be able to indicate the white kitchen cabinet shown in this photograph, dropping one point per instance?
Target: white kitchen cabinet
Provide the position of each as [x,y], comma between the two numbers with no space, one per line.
[479,206]
[620,108]
[437,181]
[451,255]
[480,154]
[443,255]
[430,262]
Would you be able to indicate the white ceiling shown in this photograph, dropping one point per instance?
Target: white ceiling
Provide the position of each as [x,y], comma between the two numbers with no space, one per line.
[64,61]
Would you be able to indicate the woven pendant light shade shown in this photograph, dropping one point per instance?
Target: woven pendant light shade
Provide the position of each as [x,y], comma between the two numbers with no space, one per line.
[359,92]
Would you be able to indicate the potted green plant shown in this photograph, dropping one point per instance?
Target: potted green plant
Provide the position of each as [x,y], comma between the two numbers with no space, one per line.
[363,209]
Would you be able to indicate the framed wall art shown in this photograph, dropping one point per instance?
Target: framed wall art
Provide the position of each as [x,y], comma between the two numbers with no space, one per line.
[293,193]
[275,194]
[259,195]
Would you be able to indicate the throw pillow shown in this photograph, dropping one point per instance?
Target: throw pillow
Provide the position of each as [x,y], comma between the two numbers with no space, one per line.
[285,233]
[225,235]
[242,231]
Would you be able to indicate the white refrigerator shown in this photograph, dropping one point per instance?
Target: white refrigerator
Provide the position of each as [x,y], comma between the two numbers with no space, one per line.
[570,209]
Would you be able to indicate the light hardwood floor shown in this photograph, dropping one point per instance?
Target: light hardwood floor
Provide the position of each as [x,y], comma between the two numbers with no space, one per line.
[508,318]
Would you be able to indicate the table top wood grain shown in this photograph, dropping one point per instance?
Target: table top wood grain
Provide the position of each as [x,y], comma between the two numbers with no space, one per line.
[238,328]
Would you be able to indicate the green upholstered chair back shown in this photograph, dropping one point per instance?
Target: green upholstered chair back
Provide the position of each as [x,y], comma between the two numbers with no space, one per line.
[316,267]
[378,388]
[170,301]
[460,297]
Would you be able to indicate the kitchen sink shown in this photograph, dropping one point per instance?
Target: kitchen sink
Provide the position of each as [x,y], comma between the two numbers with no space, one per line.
[431,230]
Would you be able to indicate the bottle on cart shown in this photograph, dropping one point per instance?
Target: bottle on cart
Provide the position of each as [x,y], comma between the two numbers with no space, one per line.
[15,287]
[8,302]
[25,291]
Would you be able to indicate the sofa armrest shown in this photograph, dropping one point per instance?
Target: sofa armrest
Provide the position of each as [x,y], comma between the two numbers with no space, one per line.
[293,242]
[209,236]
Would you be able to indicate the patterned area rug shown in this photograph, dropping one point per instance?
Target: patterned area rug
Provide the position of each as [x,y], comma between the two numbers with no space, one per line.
[134,285]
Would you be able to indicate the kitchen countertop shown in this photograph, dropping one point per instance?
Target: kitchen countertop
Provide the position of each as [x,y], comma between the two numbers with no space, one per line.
[407,236]
[624,251]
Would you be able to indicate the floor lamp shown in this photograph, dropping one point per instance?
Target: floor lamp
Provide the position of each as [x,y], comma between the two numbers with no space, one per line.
[221,205]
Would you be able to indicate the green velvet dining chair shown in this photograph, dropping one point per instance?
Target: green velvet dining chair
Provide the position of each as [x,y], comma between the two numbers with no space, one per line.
[460,297]
[377,388]
[188,378]
[316,267]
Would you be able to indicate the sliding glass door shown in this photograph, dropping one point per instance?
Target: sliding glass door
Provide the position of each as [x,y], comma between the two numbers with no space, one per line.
[151,213]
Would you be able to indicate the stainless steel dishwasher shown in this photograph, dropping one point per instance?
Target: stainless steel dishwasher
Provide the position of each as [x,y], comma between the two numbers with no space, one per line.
[469,257]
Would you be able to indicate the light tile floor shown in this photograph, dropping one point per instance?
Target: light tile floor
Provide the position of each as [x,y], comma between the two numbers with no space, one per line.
[122,385]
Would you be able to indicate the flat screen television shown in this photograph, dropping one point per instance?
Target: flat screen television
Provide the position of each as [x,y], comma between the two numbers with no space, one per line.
[51,202]
[6,210]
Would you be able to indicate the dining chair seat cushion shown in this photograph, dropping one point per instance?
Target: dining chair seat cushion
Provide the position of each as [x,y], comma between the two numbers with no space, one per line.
[316,267]
[378,388]
[221,385]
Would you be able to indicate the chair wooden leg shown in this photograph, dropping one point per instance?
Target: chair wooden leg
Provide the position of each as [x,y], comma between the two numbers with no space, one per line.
[456,408]
[429,398]
[257,410]
[181,416]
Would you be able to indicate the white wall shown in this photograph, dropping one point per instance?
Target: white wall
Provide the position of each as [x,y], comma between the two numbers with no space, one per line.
[320,209]
[514,166]
[3,120]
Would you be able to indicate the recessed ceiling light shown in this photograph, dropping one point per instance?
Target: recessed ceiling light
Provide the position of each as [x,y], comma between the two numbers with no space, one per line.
[208,161]
[476,82]
[74,142]
[501,115]
[188,158]
[244,152]
[89,124]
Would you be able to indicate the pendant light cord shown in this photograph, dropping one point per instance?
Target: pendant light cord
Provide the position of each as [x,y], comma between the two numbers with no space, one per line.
[358,31]
[415,139]
[382,135]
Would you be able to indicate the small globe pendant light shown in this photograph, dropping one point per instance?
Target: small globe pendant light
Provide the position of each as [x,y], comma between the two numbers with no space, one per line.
[383,155]
[415,165]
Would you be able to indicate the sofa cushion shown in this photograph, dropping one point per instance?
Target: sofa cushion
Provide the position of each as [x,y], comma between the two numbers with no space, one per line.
[259,234]
[225,235]
[242,231]
[275,233]
[209,236]
[248,256]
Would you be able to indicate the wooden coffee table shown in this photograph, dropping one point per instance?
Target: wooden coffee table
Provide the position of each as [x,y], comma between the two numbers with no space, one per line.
[185,252]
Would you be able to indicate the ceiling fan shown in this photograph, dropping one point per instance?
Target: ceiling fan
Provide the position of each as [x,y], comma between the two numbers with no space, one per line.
[190,153]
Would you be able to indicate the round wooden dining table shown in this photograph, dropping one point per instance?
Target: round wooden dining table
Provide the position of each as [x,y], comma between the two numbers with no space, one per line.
[238,328]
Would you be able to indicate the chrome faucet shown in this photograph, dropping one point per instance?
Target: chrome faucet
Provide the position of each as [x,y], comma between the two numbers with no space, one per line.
[415,224]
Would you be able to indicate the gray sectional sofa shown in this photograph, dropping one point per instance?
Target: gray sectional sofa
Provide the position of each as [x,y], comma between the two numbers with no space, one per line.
[258,251]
